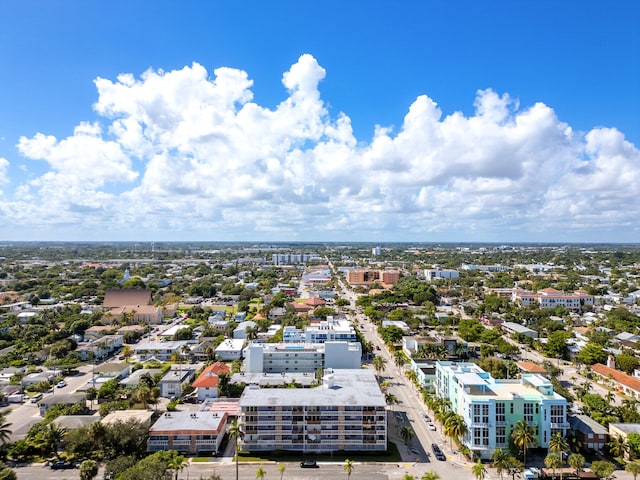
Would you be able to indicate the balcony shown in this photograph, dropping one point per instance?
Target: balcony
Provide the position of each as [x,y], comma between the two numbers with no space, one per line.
[560,425]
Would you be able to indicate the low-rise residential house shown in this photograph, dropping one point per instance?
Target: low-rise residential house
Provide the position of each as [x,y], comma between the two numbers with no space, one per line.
[206,385]
[204,350]
[124,416]
[67,399]
[70,422]
[622,382]
[188,432]
[591,434]
[100,348]
[162,351]
[36,378]
[526,366]
[230,349]
[623,430]
[133,380]
[112,370]
[241,331]
[174,380]
[512,328]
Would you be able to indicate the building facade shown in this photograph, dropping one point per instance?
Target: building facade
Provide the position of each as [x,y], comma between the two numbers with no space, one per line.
[491,407]
[301,357]
[188,432]
[348,412]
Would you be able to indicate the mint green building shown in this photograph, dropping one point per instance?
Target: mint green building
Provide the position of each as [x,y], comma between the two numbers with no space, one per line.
[491,407]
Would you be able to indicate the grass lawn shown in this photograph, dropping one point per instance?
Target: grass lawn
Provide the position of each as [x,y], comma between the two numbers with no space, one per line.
[390,455]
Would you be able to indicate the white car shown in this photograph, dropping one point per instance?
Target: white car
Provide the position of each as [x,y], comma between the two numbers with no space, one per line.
[431,426]
[61,384]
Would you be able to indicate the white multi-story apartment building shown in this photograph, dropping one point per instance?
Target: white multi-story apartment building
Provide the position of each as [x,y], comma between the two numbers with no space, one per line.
[491,407]
[347,412]
[301,357]
[432,274]
[332,329]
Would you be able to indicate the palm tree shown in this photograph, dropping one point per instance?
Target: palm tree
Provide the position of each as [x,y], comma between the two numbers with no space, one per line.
[176,462]
[235,431]
[514,466]
[552,461]
[53,437]
[379,365]
[633,468]
[127,353]
[281,469]
[390,398]
[5,432]
[412,376]
[576,461]
[430,475]
[559,445]
[454,427]
[523,437]
[143,393]
[500,460]
[618,447]
[479,470]
[348,467]
[260,473]
[407,433]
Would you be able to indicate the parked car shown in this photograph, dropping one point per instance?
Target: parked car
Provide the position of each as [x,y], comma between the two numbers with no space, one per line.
[426,418]
[61,384]
[309,464]
[377,347]
[62,465]
[431,426]
[414,450]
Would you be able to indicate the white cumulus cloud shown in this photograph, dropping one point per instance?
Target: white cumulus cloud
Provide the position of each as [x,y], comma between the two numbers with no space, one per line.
[188,151]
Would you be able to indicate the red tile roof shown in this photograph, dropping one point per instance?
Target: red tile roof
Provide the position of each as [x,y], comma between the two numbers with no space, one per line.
[209,376]
[531,367]
[617,375]
[315,302]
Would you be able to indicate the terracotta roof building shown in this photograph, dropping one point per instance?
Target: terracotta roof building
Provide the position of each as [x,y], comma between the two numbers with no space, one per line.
[625,383]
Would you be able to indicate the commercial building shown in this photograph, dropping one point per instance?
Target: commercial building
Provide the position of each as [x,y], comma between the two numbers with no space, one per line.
[301,357]
[551,298]
[433,274]
[348,412]
[491,407]
[367,277]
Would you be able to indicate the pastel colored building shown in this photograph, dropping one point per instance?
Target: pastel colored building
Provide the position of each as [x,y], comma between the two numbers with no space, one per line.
[491,407]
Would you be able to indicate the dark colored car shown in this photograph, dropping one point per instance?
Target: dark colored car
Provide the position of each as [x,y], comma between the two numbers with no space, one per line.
[62,465]
[309,464]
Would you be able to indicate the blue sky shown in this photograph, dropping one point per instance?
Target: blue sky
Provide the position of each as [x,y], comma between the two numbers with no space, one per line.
[364,120]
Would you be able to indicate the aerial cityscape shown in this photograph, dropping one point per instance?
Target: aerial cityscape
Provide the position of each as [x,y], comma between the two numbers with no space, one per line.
[298,240]
[236,360]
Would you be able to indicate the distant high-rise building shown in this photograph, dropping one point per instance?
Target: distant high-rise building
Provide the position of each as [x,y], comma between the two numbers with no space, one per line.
[375,251]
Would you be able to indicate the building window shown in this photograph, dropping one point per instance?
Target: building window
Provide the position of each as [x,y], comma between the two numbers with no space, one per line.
[480,437]
[500,413]
[481,414]
[501,435]
[528,412]
[511,405]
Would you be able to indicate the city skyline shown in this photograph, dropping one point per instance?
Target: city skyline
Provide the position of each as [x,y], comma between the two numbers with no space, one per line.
[421,123]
